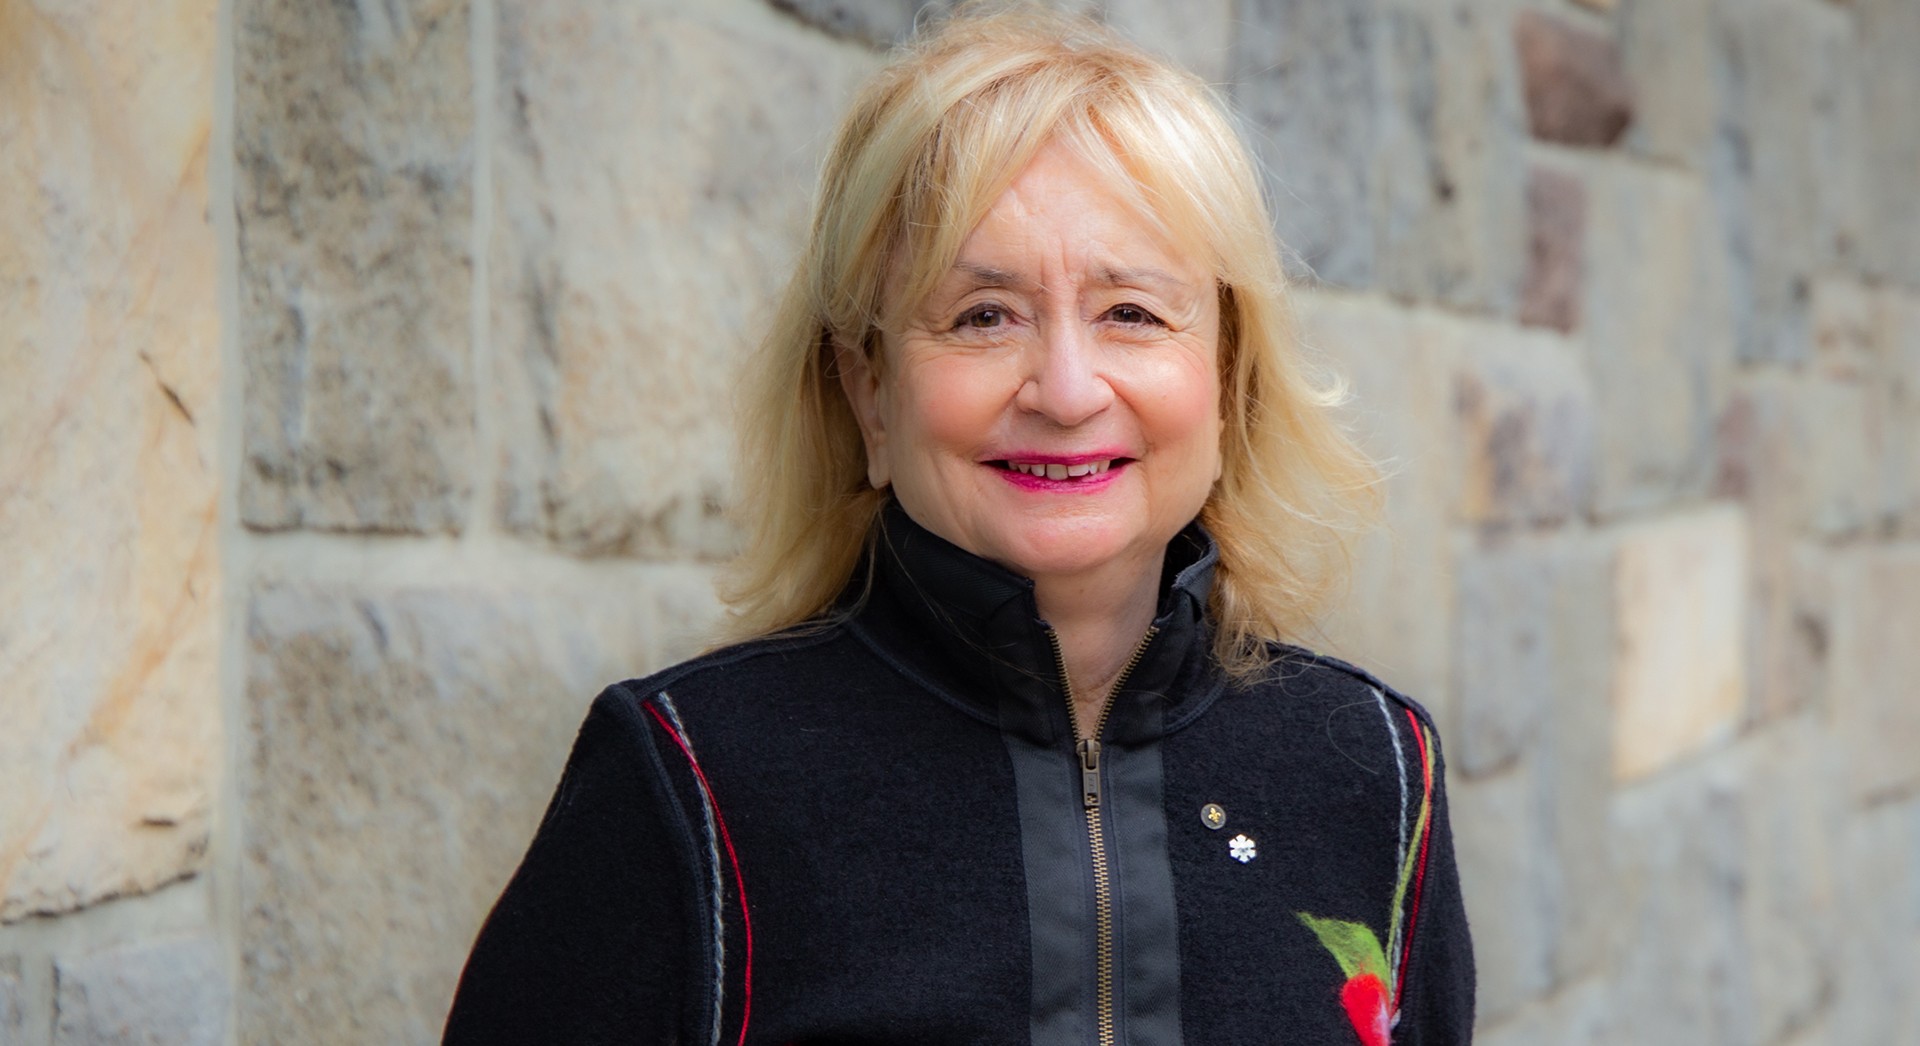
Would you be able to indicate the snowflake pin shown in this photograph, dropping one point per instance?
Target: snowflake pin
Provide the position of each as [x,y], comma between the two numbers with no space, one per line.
[1242,849]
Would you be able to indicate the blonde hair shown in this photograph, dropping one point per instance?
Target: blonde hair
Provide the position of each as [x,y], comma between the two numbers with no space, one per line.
[931,142]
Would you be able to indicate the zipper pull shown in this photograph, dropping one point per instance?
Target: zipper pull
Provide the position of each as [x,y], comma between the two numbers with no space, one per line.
[1090,773]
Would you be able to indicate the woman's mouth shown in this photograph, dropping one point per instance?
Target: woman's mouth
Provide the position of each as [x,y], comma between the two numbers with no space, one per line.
[1080,473]
[1056,470]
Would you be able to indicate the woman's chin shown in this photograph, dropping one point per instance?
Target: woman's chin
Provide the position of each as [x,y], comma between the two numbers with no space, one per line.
[1066,554]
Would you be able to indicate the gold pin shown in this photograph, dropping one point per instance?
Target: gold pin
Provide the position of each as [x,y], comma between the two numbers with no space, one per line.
[1214,816]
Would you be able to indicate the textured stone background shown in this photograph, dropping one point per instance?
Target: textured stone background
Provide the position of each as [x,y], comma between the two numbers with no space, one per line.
[364,377]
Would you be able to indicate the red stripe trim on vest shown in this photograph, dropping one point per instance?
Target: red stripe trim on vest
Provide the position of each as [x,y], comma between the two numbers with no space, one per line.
[739,881]
[1420,870]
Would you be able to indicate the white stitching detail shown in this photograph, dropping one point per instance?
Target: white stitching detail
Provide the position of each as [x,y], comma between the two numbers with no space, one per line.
[1400,855]
[719,888]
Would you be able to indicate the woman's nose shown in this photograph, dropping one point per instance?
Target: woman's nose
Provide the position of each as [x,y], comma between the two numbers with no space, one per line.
[1065,381]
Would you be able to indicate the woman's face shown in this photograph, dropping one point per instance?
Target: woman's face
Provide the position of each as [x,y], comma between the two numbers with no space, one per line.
[1054,405]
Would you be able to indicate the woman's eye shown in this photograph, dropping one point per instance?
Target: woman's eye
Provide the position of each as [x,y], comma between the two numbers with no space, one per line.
[983,317]
[1131,314]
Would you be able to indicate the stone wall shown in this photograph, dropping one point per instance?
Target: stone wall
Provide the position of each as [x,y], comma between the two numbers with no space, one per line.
[363,408]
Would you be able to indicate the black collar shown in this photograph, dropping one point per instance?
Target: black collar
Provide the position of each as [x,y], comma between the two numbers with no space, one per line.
[971,631]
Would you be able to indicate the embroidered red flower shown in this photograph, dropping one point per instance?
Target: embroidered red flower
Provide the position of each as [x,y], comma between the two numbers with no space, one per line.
[1364,962]
[1365,998]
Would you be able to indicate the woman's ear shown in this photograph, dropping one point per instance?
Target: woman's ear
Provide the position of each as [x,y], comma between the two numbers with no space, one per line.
[861,384]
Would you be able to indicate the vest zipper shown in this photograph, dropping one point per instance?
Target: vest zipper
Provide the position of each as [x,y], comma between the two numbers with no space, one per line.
[1088,752]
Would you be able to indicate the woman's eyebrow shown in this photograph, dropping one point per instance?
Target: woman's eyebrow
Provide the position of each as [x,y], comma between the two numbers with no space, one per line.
[1145,278]
[988,276]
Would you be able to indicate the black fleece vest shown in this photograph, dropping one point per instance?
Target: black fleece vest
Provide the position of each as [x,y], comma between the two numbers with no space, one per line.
[882,830]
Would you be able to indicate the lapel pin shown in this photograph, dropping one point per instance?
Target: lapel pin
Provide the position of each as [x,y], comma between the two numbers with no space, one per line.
[1214,816]
[1241,849]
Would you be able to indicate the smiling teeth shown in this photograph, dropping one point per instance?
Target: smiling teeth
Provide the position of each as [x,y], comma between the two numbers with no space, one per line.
[1091,468]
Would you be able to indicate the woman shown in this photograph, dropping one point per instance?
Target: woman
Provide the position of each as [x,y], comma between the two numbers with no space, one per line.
[1009,749]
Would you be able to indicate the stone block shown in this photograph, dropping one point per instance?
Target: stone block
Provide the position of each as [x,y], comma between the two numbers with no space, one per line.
[1666,51]
[1496,839]
[354,153]
[13,1002]
[1534,638]
[1523,424]
[161,993]
[1679,682]
[1792,618]
[1392,133]
[1449,166]
[1786,163]
[1658,336]
[1576,86]
[1571,1018]
[876,23]
[1896,388]
[1306,78]
[1874,672]
[1680,970]
[1801,451]
[399,750]
[1878,926]
[1393,617]
[616,192]
[110,426]
[1889,81]
[1551,293]
[1504,671]
[1846,329]
[1533,634]
[1792,816]
[1197,34]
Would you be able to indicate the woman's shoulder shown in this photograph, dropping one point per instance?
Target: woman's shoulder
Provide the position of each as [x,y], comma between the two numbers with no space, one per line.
[1303,673]
[760,658]
[1340,701]
[739,688]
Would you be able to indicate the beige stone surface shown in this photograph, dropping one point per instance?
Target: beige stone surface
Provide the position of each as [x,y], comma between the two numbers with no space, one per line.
[1790,904]
[400,748]
[1533,633]
[1680,588]
[354,156]
[642,231]
[1667,47]
[1792,618]
[1787,162]
[1680,970]
[1804,451]
[1448,170]
[170,992]
[1523,426]
[1874,675]
[1197,34]
[12,1006]
[1502,869]
[1877,928]
[1659,337]
[1897,389]
[1889,81]
[109,373]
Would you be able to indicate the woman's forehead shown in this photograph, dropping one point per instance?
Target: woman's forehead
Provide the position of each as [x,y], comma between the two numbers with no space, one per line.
[1063,200]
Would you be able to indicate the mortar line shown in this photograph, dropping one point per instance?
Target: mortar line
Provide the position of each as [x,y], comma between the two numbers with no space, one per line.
[483,43]
[226,847]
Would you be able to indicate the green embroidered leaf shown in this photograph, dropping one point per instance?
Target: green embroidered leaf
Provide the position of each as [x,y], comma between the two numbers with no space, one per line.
[1353,945]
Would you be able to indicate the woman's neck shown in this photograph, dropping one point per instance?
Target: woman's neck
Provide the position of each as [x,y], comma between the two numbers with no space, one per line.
[1100,621]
